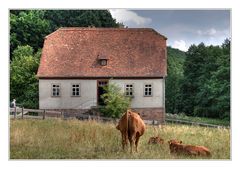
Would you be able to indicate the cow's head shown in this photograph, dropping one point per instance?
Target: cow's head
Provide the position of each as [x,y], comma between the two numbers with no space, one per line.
[174,141]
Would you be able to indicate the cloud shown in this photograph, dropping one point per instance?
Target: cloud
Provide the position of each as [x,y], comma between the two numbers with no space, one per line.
[181,45]
[213,36]
[128,17]
[209,32]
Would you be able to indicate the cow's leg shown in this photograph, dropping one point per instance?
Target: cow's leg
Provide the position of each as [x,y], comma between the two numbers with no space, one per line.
[137,140]
[124,140]
[131,143]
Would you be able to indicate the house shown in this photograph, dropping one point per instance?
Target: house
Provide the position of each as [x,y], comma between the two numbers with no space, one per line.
[77,62]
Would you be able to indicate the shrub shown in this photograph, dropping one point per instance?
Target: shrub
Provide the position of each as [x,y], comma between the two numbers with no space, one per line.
[115,100]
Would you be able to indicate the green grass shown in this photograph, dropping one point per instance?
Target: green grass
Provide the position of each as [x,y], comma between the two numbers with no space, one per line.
[73,139]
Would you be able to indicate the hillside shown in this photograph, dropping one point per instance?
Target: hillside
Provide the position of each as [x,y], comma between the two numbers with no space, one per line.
[176,60]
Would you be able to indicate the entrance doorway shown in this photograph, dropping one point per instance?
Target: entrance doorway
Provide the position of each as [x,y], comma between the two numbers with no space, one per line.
[101,91]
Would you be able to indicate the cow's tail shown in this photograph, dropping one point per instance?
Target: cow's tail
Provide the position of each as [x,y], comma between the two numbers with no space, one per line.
[127,121]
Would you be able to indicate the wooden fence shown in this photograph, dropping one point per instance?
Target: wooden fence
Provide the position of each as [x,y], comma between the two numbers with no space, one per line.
[42,114]
[178,121]
[39,113]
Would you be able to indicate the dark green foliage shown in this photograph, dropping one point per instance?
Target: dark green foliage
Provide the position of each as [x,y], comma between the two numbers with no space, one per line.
[28,28]
[174,79]
[23,83]
[116,102]
[206,83]
[80,18]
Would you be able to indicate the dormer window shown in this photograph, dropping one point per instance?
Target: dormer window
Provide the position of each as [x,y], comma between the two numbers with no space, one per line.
[103,62]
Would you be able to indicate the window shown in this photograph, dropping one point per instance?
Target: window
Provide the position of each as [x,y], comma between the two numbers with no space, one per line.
[129,90]
[76,90]
[55,90]
[148,90]
[102,83]
[103,62]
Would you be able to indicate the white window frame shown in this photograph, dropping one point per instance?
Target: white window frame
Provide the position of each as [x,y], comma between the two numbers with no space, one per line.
[53,94]
[147,87]
[129,89]
[79,89]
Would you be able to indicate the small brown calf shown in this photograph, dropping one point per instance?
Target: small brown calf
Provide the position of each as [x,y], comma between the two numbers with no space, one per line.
[155,140]
[179,148]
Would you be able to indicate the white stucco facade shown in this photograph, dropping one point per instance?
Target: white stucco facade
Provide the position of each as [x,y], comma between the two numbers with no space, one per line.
[141,101]
[88,93]
[87,98]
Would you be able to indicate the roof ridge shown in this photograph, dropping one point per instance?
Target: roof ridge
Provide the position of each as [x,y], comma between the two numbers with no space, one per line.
[96,28]
[105,29]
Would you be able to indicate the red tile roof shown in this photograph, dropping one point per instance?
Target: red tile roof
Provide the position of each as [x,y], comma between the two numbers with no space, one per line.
[131,52]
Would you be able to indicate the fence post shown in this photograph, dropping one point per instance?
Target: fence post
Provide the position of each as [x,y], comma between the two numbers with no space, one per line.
[22,112]
[61,115]
[44,113]
[15,112]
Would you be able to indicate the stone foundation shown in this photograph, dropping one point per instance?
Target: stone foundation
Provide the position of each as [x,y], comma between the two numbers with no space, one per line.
[151,113]
[66,112]
[146,113]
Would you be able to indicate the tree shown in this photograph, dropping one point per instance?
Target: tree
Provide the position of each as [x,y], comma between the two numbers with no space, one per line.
[213,99]
[28,28]
[173,81]
[192,73]
[206,83]
[80,18]
[23,81]
[116,102]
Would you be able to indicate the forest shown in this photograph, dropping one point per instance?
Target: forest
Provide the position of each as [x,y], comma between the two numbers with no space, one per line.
[198,81]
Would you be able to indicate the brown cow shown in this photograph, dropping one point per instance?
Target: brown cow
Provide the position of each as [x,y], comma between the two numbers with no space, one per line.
[179,148]
[155,140]
[197,150]
[131,127]
[173,145]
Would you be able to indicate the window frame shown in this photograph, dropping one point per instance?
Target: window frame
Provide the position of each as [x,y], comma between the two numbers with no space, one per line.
[75,88]
[125,90]
[59,87]
[144,87]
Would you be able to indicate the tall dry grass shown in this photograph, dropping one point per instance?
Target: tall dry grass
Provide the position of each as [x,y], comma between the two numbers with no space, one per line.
[73,139]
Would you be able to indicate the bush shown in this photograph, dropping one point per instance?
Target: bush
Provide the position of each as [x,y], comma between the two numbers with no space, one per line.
[116,102]
[23,81]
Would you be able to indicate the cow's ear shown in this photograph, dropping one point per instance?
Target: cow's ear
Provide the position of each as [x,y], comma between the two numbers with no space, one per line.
[138,114]
[180,142]
[169,142]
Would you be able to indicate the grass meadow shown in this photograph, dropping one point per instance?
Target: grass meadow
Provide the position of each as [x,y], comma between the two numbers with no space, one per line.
[74,139]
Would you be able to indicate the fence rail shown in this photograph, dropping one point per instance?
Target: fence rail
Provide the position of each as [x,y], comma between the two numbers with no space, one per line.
[178,121]
[42,114]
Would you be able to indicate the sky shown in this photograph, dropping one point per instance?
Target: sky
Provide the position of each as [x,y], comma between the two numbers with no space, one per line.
[182,27]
